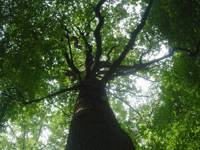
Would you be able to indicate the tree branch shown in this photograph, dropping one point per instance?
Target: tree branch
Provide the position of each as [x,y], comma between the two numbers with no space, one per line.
[64,113]
[127,103]
[97,33]
[109,52]
[51,95]
[75,70]
[128,70]
[130,43]
[88,26]
[146,78]
[69,45]
[188,51]
[143,54]
[69,57]
[89,56]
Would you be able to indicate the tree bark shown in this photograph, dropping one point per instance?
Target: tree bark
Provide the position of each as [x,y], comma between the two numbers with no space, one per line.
[94,126]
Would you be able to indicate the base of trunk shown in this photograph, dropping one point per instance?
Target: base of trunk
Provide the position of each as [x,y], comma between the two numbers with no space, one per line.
[96,131]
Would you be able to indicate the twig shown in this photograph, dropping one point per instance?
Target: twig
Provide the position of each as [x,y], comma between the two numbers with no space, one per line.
[127,103]
[145,78]
[109,52]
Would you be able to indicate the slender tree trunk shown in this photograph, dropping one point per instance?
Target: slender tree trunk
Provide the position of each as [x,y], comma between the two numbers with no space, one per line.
[94,126]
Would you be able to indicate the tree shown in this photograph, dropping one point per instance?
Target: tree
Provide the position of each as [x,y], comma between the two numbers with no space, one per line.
[178,125]
[79,47]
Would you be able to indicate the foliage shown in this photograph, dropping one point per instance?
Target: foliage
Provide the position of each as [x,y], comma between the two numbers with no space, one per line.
[178,21]
[34,38]
[176,121]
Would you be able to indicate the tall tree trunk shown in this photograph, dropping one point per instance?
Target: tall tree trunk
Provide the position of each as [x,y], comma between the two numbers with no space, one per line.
[94,126]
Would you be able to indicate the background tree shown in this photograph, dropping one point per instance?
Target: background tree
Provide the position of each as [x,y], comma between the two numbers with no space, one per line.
[178,125]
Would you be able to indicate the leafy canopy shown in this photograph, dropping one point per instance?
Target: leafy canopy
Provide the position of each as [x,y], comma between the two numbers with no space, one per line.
[48,46]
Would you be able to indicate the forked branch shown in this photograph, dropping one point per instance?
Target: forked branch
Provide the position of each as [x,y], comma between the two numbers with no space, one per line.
[69,57]
[88,52]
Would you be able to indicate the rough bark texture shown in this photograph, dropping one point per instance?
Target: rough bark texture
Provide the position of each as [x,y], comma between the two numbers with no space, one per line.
[94,126]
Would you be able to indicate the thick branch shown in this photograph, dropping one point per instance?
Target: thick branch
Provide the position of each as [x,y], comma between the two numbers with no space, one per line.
[69,45]
[97,33]
[89,56]
[130,43]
